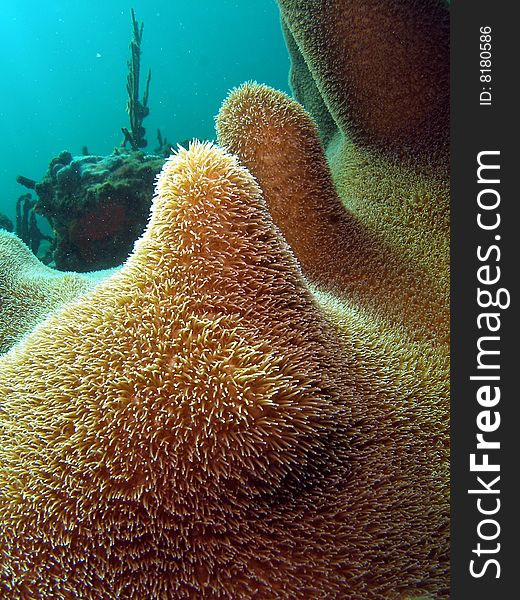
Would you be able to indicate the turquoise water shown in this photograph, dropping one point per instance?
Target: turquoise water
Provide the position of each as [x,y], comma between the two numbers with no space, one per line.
[63,73]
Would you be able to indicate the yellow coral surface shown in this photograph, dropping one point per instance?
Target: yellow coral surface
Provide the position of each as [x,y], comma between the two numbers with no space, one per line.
[30,291]
[199,425]
[397,270]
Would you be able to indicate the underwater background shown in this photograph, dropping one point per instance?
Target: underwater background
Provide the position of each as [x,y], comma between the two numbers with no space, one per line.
[64,69]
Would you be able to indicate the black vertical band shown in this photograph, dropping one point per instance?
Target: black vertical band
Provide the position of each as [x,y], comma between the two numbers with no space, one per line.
[485,331]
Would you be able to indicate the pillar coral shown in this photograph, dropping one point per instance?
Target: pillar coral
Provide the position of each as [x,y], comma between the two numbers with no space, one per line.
[198,424]
[233,414]
[339,250]
[363,195]
[382,73]
[360,190]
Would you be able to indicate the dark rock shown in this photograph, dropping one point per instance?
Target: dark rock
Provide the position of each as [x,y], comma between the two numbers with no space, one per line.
[97,206]
[6,223]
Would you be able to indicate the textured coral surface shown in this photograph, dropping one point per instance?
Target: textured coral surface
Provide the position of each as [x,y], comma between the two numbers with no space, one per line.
[397,270]
[256,404]
[30,291]
[198,424]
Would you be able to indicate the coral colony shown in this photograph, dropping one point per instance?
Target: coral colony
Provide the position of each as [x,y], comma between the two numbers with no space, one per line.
[255,405]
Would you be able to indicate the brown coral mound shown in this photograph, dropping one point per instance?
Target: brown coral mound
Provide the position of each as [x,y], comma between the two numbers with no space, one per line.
[375,78]
[30,291]
[363,200]
[378,70]
[197,427]
[338,249]
[97,206]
